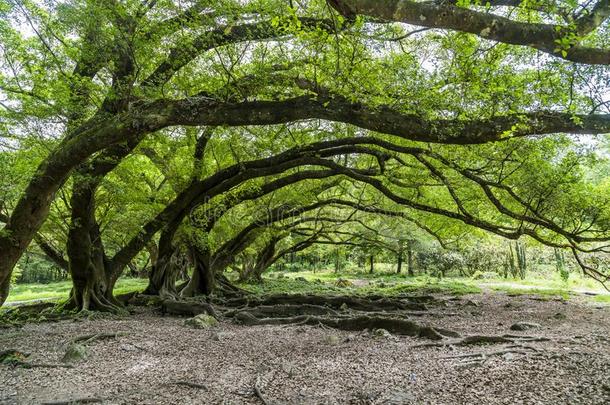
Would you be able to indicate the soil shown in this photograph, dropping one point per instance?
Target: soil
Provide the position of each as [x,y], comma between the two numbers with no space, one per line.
[161,361]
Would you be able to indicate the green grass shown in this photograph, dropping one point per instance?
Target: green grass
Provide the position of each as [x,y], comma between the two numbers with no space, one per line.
[542,292]
[604,299]
[355,282]
[390,283]
[360,283]
[26,292]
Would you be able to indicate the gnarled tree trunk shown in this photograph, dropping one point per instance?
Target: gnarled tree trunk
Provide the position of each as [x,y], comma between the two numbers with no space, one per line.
[162,278]
[89,267]
[265,258]
[203,281]
[410,264]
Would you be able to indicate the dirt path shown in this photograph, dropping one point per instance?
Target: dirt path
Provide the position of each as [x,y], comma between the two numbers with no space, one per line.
[313,365]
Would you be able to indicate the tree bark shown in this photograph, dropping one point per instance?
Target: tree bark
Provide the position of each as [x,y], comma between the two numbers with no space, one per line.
[399,265]
[91,276]
[164,272]
[445,15]
[372,264]
[33,206]
[203,281]
[265,258]
[410,264]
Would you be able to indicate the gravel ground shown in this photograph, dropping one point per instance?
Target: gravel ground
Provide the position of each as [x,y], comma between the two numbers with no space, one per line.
[315,365]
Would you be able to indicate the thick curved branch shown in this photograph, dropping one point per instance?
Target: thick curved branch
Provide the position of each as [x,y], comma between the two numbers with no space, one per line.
[183,53]
[544,37]
[204,111]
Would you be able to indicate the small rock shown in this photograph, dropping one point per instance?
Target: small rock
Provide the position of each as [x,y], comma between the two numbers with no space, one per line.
[349,338]
[471,303]
[218,336]
[560,315]
[287,367]
[398,398]
[201,321]
[382,333]
[75,353]
[520,326]
[128,348]
[508,356]
[331,339]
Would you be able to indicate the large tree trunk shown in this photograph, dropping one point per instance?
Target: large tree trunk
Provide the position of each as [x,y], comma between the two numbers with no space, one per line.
[265,258]
[399,265]
[92,277]
[33,206]
[203,281]
[162,278]
[410,264]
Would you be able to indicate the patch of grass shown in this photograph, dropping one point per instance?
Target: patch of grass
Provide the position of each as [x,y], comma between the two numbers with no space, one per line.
[292,286]
[542,292]
[446,286]
[27,292]
[127,285]
[333,283]
[602,298]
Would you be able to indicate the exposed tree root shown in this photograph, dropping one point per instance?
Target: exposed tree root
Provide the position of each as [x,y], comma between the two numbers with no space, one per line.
[258,392]
[17,358]
[229,288]
[485,340]
[515,349]
[392,325]
[86,400]
[189,308]
[189,384]
[333,301]
[284,310]
[45,365]
[97,336]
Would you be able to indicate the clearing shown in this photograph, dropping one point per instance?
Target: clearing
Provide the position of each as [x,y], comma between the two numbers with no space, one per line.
[159,360]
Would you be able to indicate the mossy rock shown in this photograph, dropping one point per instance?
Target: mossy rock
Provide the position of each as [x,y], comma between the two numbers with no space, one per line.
[201,321]
[332,340]
[75,353]
[341,282]
[12,357]
[383,334]
[521,326]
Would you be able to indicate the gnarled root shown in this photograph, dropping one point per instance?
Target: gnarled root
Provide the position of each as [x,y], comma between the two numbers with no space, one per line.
[284,310]
[333,301]
[474,340]
[189,308]
[392,325]
[91,337]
